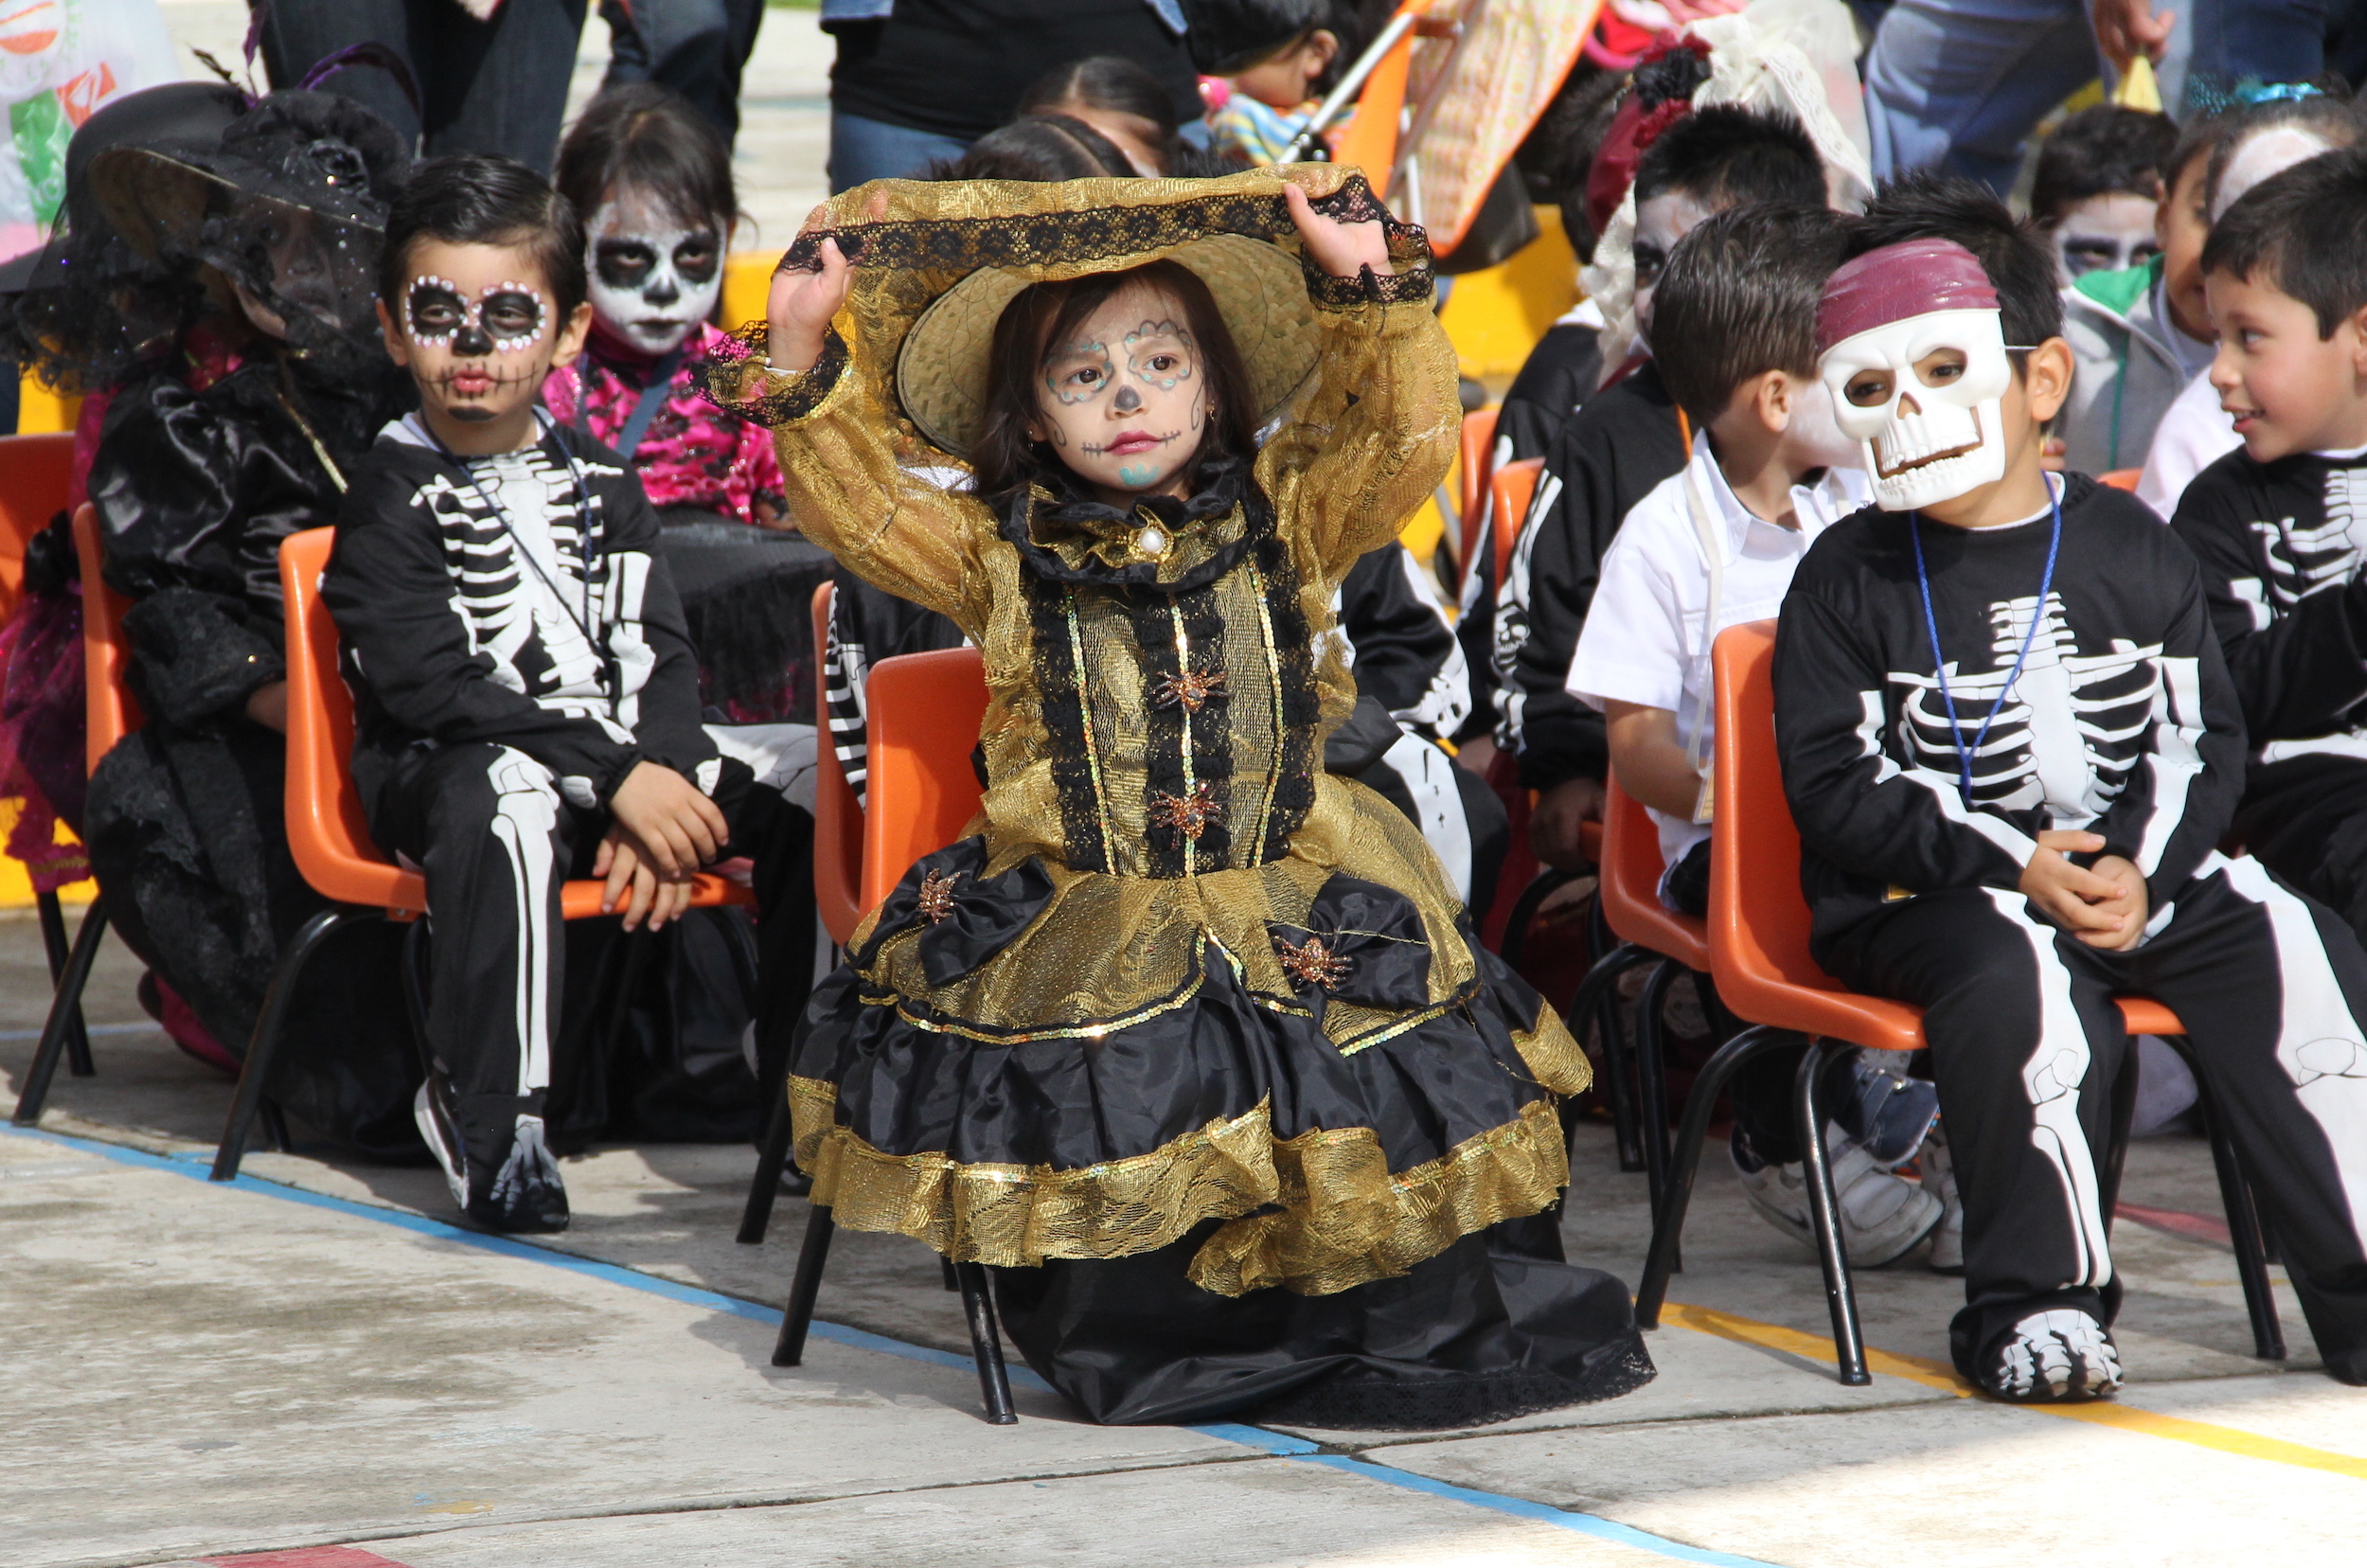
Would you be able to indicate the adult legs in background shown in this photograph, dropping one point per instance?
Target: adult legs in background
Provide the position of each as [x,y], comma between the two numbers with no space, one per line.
[697,47]
[498,86]
[1960,84]
[863,150]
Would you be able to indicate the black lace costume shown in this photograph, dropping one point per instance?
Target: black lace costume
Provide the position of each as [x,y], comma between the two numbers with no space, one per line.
[1189,1038]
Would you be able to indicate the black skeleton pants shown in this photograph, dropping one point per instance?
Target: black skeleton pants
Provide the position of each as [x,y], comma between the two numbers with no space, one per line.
[2025,1043]
[496,839]
[2306,819]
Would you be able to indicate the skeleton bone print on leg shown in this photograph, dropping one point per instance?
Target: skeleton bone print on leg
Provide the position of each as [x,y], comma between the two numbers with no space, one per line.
[2067,737]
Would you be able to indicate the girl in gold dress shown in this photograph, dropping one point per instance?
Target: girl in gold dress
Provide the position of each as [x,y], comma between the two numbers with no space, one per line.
[1189,1039]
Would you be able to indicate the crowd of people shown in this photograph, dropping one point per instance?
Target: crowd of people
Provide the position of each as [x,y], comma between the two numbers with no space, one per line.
[1195,1040]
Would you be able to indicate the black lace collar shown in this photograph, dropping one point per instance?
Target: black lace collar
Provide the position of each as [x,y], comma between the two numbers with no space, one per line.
[1066,537]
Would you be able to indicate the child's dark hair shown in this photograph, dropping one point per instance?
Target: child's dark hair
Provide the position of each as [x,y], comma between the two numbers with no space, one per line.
[1042,147]
[1738,299]
[1007,462]
[1725,154]
[2336,120]
[1111,83]
[648,137]
[1925,204]
[2104,150]
[478,199]
[1227,37]
[2303,231]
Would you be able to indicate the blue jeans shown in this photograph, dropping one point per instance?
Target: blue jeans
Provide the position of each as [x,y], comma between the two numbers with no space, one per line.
[865,149]
[1960,84]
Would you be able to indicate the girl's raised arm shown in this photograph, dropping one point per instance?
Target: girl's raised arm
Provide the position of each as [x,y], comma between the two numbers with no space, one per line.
[1376,432]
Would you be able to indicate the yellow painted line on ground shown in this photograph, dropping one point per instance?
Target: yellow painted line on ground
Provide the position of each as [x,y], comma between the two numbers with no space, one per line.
[1939,1375]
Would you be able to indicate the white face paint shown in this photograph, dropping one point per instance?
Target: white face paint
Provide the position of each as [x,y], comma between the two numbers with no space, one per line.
[652,282]
[2267,152]
[1921,397]
[2104,233]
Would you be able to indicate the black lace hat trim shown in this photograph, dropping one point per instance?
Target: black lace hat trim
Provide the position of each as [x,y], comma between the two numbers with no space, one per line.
[1033,240]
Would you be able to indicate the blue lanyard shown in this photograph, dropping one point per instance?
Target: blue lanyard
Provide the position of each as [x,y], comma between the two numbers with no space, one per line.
[1939,665]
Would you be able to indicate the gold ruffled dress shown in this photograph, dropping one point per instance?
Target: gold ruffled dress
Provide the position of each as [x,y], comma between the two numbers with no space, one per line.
[1189,1038]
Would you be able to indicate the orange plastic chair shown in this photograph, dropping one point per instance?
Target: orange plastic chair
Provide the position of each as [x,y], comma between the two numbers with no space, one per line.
[39,473]
[110,711]
[328,834]
[925,709]
[1759,925]
[837,813]
[38,478]
[1648,932]
[1478,454]
[2122,478]
[921,794]
[1510,489]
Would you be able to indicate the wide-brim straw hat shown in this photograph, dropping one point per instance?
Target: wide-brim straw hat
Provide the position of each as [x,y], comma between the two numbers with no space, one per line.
[935,265]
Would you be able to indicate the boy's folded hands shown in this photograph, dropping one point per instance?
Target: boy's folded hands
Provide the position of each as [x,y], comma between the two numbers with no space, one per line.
[631,882]
[667,828]
[2103,905]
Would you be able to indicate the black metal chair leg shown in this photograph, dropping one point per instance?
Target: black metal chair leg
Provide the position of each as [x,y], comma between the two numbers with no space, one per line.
[779,1133]
[797,1317]
[275,1125]
[1598,992]
[1684,1161]
[78,1057]
[2244,1230]
[953,1275]
[2116,1142]
[256,1071]
[1651,1076]
[64,1009]
[1840,1298]
[985,1343]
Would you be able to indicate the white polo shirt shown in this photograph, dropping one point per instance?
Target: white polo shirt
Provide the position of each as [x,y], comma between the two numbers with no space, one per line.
[1647,634]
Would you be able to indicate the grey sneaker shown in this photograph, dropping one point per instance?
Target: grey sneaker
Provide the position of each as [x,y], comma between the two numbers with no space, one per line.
[2054,1357]
[1882,1217]
[1938,1169]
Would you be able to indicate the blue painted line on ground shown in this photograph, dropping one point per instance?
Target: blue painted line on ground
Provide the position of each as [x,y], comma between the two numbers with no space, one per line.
[191,1164]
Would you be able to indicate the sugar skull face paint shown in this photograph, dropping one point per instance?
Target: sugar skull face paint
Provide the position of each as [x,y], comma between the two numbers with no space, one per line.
[477,328]
[507,318]
[654,280]
[1124,400]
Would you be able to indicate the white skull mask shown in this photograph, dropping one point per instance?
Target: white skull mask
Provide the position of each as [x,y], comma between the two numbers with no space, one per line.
[654,280]
[1921,397]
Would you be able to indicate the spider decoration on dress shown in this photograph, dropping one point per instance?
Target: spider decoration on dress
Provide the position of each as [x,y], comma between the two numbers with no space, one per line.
[1188,815]
[936,894]
[1312,964]
[1191,688]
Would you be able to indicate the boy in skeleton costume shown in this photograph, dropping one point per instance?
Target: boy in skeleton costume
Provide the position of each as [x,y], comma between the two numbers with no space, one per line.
[2011,746]
[526,698]
[2280,524]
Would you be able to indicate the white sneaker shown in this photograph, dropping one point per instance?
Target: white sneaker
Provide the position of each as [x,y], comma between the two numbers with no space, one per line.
[1882,1217]
[1939,1179]
[2047,1357]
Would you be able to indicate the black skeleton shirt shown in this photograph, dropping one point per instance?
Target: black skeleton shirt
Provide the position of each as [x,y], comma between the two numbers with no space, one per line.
[2281,545]
[2124,722]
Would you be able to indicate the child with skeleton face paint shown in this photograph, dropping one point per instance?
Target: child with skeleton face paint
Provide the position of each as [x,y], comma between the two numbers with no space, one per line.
[653,183]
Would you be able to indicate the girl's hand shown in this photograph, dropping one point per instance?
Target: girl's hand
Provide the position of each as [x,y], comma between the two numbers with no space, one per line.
[1344,250]
[798,311]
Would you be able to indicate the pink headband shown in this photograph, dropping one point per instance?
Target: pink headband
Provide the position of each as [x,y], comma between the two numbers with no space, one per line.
[1913,279]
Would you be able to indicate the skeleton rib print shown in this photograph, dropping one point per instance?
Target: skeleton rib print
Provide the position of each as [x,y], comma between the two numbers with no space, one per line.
[2067,736]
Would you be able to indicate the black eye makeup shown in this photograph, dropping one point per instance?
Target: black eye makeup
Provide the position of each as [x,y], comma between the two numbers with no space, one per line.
[439,314]
[624,263]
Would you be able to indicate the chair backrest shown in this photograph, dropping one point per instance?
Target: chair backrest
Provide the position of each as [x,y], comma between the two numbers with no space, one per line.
[1758,916]
[1479,448]
[2122,478]
[328,831]
[837,815]
[1510,489]
[36,473]
[1629,862]
[109,710]
[1369,142]
[926,710]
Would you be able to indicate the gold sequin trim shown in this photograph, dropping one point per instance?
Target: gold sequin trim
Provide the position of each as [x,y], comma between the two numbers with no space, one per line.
[1015,1216]
[1345,1220]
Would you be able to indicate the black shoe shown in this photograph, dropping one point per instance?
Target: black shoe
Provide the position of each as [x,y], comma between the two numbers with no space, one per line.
[522,1194]
[2055,1357]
